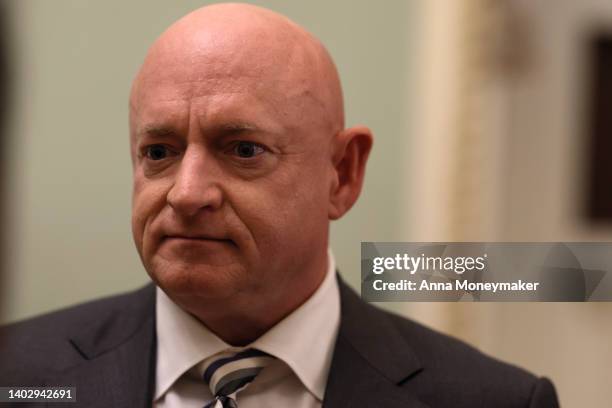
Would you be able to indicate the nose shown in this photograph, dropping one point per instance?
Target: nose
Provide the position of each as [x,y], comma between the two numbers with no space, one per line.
[196,185]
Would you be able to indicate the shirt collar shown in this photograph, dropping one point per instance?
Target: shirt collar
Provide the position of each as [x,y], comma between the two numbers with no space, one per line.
[304,340]
[182,341]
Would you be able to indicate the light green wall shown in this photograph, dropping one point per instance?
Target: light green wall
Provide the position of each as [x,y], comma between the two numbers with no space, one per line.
[69,187]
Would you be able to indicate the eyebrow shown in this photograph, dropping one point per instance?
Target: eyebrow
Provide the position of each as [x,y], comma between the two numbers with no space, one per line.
[233,128]
[225,129]
[157,131]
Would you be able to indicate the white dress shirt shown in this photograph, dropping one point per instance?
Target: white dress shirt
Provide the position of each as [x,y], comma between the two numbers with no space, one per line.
[303,343]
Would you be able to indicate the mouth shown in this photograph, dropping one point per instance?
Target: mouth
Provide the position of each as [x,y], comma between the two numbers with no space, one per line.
[197,239]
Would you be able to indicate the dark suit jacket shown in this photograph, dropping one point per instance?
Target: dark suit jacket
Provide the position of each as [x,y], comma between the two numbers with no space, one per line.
[106,349]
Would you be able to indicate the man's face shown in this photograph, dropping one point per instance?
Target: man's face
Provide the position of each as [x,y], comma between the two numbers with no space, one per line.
[232,173]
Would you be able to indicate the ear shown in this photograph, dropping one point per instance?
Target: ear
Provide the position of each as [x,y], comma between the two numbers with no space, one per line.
[351,149]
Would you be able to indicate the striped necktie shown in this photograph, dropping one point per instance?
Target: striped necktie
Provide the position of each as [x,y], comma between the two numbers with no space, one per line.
[229,374]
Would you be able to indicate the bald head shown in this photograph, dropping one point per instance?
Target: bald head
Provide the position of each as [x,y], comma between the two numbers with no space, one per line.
[238,46]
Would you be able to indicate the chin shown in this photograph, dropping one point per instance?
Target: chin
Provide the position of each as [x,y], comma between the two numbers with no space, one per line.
[200,280]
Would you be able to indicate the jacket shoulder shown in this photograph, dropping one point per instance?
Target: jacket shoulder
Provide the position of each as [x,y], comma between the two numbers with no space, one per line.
[461,370]
[29,349]
[435,368]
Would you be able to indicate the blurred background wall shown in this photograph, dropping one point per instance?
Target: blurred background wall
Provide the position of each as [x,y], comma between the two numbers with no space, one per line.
[513,105]
[5,102]
[483,116]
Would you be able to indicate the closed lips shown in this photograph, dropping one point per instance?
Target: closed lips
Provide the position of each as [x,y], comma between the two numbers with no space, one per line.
[198,238]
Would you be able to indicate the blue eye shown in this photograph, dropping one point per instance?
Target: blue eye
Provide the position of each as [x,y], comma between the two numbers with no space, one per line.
[156,152]
[247,149]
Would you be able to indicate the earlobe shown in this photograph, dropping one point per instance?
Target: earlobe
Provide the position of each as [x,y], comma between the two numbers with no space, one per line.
[351,151]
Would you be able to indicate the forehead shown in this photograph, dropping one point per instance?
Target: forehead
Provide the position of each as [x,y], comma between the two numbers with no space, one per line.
[180,109]
[220,81]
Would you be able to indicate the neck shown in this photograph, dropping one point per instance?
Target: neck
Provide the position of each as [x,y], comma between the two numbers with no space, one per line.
[248,315]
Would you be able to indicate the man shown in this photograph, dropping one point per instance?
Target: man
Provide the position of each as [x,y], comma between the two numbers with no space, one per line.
[240,160]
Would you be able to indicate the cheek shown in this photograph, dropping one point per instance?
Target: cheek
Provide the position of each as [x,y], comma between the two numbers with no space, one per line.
[286,212]
[306,194]
[148,200]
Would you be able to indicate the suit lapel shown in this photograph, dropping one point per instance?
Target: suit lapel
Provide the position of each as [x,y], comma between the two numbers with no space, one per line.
[119,356]
[370,360]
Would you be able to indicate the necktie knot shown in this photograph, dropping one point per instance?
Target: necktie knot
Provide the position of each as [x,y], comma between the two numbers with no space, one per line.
[229,374]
